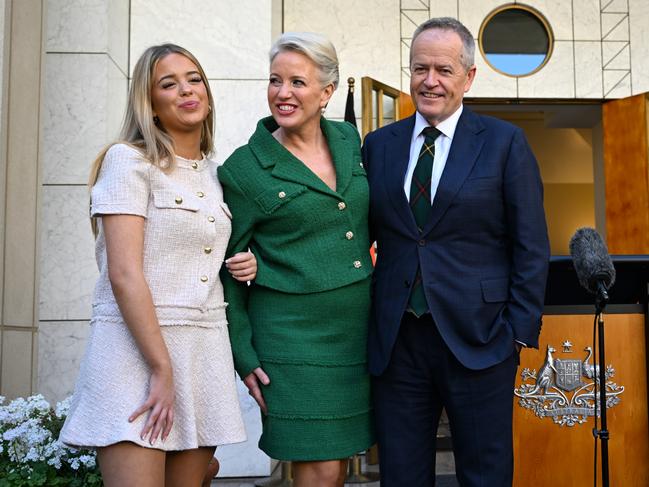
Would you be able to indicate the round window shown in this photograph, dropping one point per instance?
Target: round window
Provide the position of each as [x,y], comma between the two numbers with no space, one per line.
[516,40]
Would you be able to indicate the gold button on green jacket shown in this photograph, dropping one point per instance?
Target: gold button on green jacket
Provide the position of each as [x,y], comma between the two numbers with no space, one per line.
[293,222]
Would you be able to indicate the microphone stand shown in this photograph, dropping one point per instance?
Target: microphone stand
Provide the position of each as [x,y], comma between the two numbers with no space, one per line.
[600,303]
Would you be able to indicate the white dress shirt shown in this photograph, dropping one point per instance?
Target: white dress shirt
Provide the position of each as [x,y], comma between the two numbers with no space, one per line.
[442,148]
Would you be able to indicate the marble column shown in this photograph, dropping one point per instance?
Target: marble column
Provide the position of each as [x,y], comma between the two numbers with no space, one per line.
[85,88]
[20,162]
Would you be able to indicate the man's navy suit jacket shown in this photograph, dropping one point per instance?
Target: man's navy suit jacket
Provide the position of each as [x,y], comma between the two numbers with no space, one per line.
[483,253]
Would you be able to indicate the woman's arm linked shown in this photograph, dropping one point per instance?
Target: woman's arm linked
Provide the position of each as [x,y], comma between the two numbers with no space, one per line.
[236,293]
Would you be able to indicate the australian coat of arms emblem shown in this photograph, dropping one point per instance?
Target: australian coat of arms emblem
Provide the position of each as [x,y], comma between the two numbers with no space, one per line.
[564,389]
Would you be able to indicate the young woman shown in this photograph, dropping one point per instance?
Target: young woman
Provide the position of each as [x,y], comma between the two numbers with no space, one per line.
[156,390]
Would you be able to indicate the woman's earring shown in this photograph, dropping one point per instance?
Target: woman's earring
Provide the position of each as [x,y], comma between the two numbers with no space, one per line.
[156,120]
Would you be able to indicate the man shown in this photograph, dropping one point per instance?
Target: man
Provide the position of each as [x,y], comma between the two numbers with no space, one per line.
[460,278]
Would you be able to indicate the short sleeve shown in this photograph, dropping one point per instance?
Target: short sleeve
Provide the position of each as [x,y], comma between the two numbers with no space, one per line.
[122,186]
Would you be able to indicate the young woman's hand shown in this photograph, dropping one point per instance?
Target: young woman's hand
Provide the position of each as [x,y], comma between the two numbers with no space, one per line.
[160,405]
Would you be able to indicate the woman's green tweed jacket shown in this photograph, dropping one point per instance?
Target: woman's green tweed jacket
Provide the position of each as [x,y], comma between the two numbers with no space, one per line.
[306,237]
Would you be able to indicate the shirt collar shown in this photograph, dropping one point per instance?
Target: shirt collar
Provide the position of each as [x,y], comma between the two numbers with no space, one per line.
[446,127]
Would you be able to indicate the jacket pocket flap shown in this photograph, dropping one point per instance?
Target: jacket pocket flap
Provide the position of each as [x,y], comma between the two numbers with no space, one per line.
[273,198]
[495,290]
[164,198]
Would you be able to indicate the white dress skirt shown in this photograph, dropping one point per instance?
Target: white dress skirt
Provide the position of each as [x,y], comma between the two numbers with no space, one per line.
[113,382]
[186,231]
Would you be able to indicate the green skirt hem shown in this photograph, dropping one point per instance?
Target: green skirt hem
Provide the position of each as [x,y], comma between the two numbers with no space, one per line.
[316,440]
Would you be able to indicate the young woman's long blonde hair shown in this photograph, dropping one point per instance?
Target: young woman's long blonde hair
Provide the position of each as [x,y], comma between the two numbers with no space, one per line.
[139,129]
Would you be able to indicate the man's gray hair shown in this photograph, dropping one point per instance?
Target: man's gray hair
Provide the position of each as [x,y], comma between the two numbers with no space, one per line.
[450,24]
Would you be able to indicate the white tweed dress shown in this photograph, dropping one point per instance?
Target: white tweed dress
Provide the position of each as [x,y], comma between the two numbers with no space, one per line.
[186,232]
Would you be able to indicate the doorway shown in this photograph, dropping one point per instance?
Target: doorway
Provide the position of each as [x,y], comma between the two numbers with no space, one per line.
[567,142]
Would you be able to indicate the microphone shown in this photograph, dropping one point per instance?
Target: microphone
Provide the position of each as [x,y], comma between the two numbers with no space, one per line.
[592,262]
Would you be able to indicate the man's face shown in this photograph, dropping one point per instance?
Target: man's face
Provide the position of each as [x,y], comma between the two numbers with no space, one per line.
[438,80]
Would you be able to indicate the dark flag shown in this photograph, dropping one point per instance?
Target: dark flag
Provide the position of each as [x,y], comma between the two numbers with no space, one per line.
[350,116]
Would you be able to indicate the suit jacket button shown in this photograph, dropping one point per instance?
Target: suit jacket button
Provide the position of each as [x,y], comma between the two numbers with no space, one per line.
[406,283]
[422,243]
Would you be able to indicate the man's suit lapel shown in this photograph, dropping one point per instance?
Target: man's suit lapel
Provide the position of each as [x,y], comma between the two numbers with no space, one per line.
[465,148]
[397,154]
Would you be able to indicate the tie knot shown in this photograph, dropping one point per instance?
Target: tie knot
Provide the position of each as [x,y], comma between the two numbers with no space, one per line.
[431,133]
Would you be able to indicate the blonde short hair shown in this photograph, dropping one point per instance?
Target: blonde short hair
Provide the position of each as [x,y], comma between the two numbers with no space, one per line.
[316,47]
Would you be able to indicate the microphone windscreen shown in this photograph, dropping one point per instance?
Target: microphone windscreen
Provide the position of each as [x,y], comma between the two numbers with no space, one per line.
[591,259]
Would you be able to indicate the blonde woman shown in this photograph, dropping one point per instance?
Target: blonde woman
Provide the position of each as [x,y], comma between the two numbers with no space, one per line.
[156,390]
[299,333]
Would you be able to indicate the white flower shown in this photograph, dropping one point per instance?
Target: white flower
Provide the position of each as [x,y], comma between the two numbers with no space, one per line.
[88,460]
[55,451]
[38,404]
[26,440]
[63,407]
[20,410]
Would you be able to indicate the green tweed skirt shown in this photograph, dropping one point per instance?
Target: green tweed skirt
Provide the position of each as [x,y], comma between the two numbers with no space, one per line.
[313,348]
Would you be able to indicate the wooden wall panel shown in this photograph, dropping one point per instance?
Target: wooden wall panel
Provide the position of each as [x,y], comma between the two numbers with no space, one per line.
[626,172]
[549,454]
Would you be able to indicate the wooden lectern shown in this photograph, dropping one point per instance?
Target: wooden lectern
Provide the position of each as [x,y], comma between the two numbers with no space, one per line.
[553,433]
